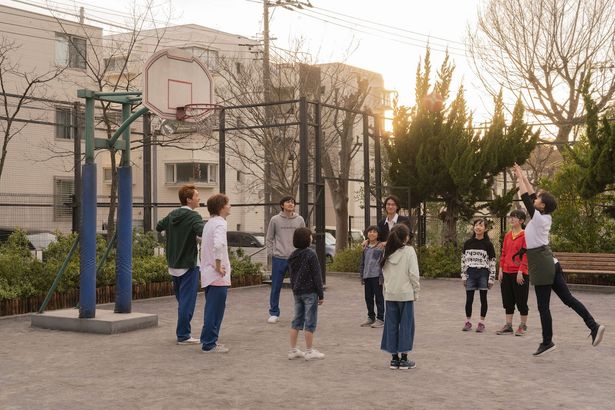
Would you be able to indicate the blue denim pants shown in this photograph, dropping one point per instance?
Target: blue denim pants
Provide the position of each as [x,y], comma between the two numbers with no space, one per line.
[398,332]
[185,286]
[306,312]
[279,267]
[215,303]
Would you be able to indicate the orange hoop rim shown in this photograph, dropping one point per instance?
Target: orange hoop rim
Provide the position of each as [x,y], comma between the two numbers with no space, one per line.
[196,112]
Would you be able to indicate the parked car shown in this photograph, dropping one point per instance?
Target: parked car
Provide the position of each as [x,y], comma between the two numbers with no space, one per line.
[329,246]
[356,235]
[38,241]
[252,243]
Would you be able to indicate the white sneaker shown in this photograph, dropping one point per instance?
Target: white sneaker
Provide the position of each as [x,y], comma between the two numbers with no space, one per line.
[190,341]
[295,354]
[313,355]
[217,349]
[273,319]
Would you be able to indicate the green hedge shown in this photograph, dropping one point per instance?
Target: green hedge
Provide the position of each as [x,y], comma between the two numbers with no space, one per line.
[434,261]
[439,261]
[346,260]
[22,275]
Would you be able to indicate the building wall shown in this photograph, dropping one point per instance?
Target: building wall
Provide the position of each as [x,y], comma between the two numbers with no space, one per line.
[36,158]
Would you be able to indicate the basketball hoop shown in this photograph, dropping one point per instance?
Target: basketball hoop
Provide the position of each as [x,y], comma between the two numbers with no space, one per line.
[203,116]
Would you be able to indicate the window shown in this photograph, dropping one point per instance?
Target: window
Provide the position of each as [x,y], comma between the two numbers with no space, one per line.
[238,67]
[107,175]
[115,64]
[64,123]
[63,190]
[209,57]
[70,51]
[191,172]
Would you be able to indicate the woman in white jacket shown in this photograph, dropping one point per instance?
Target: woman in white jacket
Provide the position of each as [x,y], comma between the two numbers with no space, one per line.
[400,269]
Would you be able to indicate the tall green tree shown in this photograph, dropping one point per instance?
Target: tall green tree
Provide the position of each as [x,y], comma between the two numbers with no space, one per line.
[439,154]
[597,160]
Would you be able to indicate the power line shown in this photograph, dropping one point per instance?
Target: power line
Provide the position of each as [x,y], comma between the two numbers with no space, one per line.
[388,35]
[426,41]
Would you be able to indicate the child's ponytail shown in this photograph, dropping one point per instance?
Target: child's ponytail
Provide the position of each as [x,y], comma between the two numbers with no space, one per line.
[396,240]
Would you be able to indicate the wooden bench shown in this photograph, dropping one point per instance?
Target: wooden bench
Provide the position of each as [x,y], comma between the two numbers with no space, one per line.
[588,263]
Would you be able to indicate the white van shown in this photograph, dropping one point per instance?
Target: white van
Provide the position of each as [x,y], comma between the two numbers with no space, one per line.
[356,235]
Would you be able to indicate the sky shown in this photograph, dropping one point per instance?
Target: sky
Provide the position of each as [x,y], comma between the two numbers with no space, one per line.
[393,46]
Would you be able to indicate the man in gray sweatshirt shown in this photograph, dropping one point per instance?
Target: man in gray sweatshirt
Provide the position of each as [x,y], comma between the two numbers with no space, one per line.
[280,246]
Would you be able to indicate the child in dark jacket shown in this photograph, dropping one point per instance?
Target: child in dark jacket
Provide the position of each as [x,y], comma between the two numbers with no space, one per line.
[306,282]
[371,278]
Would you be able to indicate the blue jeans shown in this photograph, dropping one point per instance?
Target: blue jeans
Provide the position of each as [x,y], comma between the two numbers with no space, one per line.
[478,279]
[215,303]
[279,267]
[398,333]
[306,312]
[185,286]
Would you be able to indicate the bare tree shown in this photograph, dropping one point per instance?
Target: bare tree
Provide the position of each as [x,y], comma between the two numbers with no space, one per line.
[18,89]
[544,50]
[294,76]
[113,65]
[350,90]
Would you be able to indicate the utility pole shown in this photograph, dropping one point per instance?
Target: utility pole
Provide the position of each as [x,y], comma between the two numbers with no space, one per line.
[267,97]
[289,5]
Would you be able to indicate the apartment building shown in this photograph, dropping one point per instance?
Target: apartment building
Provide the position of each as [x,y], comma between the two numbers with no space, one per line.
[37,178]
[40,161]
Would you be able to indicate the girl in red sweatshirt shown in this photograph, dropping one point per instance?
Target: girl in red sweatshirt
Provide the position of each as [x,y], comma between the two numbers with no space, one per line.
[513,275]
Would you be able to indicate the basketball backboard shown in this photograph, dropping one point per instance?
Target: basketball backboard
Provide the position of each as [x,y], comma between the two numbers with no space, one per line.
[174,78]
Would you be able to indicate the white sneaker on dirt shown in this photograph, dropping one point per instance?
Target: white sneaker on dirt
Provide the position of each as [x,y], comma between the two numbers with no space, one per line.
[216,349]
[273,319]
[190,341]
[314,355]
[295,354]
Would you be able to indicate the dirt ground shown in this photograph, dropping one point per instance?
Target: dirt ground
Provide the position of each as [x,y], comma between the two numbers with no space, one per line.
[43,369]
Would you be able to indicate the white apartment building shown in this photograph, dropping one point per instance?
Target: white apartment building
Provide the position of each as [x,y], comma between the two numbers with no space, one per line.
[39,161]
[40,158]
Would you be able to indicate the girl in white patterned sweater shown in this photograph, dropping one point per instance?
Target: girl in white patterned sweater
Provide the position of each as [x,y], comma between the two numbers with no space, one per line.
[477,272]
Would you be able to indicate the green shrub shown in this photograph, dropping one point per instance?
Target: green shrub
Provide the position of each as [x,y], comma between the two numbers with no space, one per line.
[439,261]
[242,265]
[150,269]
[143,244]
[20,272]
[347,260]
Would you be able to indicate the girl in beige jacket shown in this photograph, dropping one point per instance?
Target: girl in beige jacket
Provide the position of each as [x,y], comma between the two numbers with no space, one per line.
[401,288]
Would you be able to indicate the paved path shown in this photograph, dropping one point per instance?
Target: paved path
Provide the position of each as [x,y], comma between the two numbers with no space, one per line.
[145,369]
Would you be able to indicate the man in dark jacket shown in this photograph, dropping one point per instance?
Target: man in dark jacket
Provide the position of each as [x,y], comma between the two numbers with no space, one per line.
[182,227]
[392,217]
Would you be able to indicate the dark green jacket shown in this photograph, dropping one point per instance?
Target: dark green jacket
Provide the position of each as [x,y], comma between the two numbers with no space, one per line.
[182,226]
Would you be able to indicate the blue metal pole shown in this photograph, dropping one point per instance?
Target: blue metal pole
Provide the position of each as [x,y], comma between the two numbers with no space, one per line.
[87,251]
[123,263]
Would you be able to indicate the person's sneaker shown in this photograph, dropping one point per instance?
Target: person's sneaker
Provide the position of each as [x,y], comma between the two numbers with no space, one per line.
[273,319]
[314,355]
[596,334]
[467,327]
[368,322]
[505,330]
[216,349]
[378,323]
[480,328]
[521,329]
[406,364]
[295,354]
[542,349]
[189,341]
[394,364]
